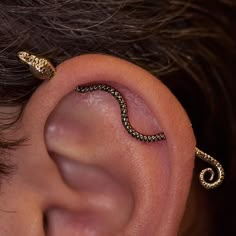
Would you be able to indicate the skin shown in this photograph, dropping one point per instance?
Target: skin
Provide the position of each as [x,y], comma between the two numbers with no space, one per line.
[89,177]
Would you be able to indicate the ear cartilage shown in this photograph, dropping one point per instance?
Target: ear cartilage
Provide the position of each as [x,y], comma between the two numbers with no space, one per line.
[156,137]
[124,112]
[40,67]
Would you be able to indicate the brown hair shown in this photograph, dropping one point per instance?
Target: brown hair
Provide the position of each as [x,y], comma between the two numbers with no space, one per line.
[188,44]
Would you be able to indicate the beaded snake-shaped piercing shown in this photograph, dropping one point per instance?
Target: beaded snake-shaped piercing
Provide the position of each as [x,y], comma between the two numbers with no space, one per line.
[156,137]
[43,69]
[220,171]
[124,112]
[40,67]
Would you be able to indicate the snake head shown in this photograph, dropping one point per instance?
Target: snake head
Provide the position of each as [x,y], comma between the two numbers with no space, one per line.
[40,67]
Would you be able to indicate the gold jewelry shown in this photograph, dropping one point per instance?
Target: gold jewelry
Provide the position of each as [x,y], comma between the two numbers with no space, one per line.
[157,137]
[220,171]
[43,69]
[40,67]
[124,112]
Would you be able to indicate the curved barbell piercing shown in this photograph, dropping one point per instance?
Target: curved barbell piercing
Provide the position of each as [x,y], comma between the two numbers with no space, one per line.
[43,69]
[157,137]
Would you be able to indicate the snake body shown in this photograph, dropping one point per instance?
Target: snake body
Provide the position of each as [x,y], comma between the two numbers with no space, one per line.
[124,112]
[157,137]
[220,171]
[43,69]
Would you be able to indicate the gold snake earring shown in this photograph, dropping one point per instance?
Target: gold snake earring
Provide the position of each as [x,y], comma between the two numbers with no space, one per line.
[43,69]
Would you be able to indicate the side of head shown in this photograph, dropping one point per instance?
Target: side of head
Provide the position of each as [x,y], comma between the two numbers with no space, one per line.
[78,170]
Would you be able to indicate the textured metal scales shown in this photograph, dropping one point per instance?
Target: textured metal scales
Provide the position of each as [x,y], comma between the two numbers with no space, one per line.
[220,171]
[124,112]
[40,67]
[156,137]
[43,69]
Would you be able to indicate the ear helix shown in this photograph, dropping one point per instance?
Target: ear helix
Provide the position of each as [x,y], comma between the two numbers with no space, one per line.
[44,70]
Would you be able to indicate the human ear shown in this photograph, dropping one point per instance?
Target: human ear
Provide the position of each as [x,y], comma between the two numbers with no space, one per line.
[93,177]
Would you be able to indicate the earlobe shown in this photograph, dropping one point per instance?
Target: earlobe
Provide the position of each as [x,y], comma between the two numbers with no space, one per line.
[87,142]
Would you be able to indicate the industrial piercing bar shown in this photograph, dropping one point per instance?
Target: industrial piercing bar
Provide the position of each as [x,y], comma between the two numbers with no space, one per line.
[43,69]
[124,112]
[156,137]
